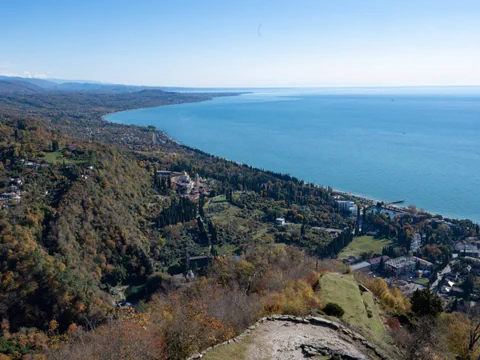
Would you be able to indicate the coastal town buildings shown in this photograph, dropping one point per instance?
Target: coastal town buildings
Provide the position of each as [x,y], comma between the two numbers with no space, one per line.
[347,206]
[13,194]
[377,261]
[184,184]
[361,266]
[406,264]
[416,242]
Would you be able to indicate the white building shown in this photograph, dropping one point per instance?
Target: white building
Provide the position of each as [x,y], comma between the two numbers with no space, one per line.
[280,221]
[347,206]
[416,242]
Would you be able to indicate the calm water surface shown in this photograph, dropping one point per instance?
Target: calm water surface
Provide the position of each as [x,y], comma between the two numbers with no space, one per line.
[421,146]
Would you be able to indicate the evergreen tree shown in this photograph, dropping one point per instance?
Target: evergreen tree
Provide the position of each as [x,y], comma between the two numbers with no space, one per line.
[425,302]
[55,145]
[381,266]
[468,285]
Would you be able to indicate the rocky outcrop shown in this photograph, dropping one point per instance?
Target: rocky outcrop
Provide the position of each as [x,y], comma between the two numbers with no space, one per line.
[298,337]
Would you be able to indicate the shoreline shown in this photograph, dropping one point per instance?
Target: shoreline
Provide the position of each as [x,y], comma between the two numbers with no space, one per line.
[371,200]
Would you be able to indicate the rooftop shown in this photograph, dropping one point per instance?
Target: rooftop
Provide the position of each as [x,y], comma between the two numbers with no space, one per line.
[400,262]
[376,260]
[360,265]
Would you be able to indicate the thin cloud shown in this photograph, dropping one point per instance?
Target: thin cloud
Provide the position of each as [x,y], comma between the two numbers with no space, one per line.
[26,75]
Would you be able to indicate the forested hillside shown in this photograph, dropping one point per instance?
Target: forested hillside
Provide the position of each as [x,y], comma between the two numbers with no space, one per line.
[84,212]
[97,216]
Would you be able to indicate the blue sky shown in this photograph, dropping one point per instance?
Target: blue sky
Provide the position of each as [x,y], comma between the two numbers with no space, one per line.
[220,43]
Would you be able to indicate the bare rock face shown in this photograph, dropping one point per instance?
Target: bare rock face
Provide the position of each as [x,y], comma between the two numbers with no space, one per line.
[292,338]
[291,341]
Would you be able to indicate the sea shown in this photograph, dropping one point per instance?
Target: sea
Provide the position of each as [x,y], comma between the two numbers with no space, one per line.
[421,145]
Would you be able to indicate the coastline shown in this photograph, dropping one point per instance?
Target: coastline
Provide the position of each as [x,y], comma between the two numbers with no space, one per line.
[358,197]
[209,97]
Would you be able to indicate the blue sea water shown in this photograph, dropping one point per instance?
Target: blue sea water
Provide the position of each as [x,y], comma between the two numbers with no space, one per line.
[389,144]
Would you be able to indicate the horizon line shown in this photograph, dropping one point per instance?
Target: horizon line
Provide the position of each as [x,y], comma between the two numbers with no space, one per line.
[99,82]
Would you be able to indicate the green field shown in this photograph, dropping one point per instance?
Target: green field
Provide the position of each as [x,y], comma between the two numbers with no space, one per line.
[57,157]
[237,227]
[363,244]
[343,290]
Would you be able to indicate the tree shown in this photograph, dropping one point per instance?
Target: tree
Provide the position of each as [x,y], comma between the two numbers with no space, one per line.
[468,285]
[381,266]
[333,309]
[55,145]
[426,303]
[473,330]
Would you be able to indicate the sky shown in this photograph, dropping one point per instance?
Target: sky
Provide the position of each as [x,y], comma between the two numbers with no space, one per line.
[245,43]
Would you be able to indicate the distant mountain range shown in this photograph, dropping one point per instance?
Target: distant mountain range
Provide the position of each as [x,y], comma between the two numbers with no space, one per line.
[9,84]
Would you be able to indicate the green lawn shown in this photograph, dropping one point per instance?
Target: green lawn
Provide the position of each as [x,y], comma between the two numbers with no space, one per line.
[422,281]
[364,244]
[343,289]
[57,157]
[53,157]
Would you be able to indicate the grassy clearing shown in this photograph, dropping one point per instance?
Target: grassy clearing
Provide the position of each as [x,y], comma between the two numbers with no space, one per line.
[233,351]
[364,244]
[360,308]
[422,281]
[57,157]
[226,216]
[231,216]
[219,199]
[53,157]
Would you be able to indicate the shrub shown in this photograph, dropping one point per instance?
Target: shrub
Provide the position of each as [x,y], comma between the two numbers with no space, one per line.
[333,309]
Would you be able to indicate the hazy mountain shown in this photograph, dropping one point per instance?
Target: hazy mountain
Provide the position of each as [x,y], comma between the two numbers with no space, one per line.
[17,86]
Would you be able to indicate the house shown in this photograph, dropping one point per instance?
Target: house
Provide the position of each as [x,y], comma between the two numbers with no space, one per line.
[456,291]
[461,247]
[400,265]
[350,260]
[406,264]
[375,262]
[422,264]
[361,266]
[184,182]
[15,181]
[334,233]
[280,221]
[197,262]
[164,173]
[12,198]
[471,253]
[416,242]
[445,289]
